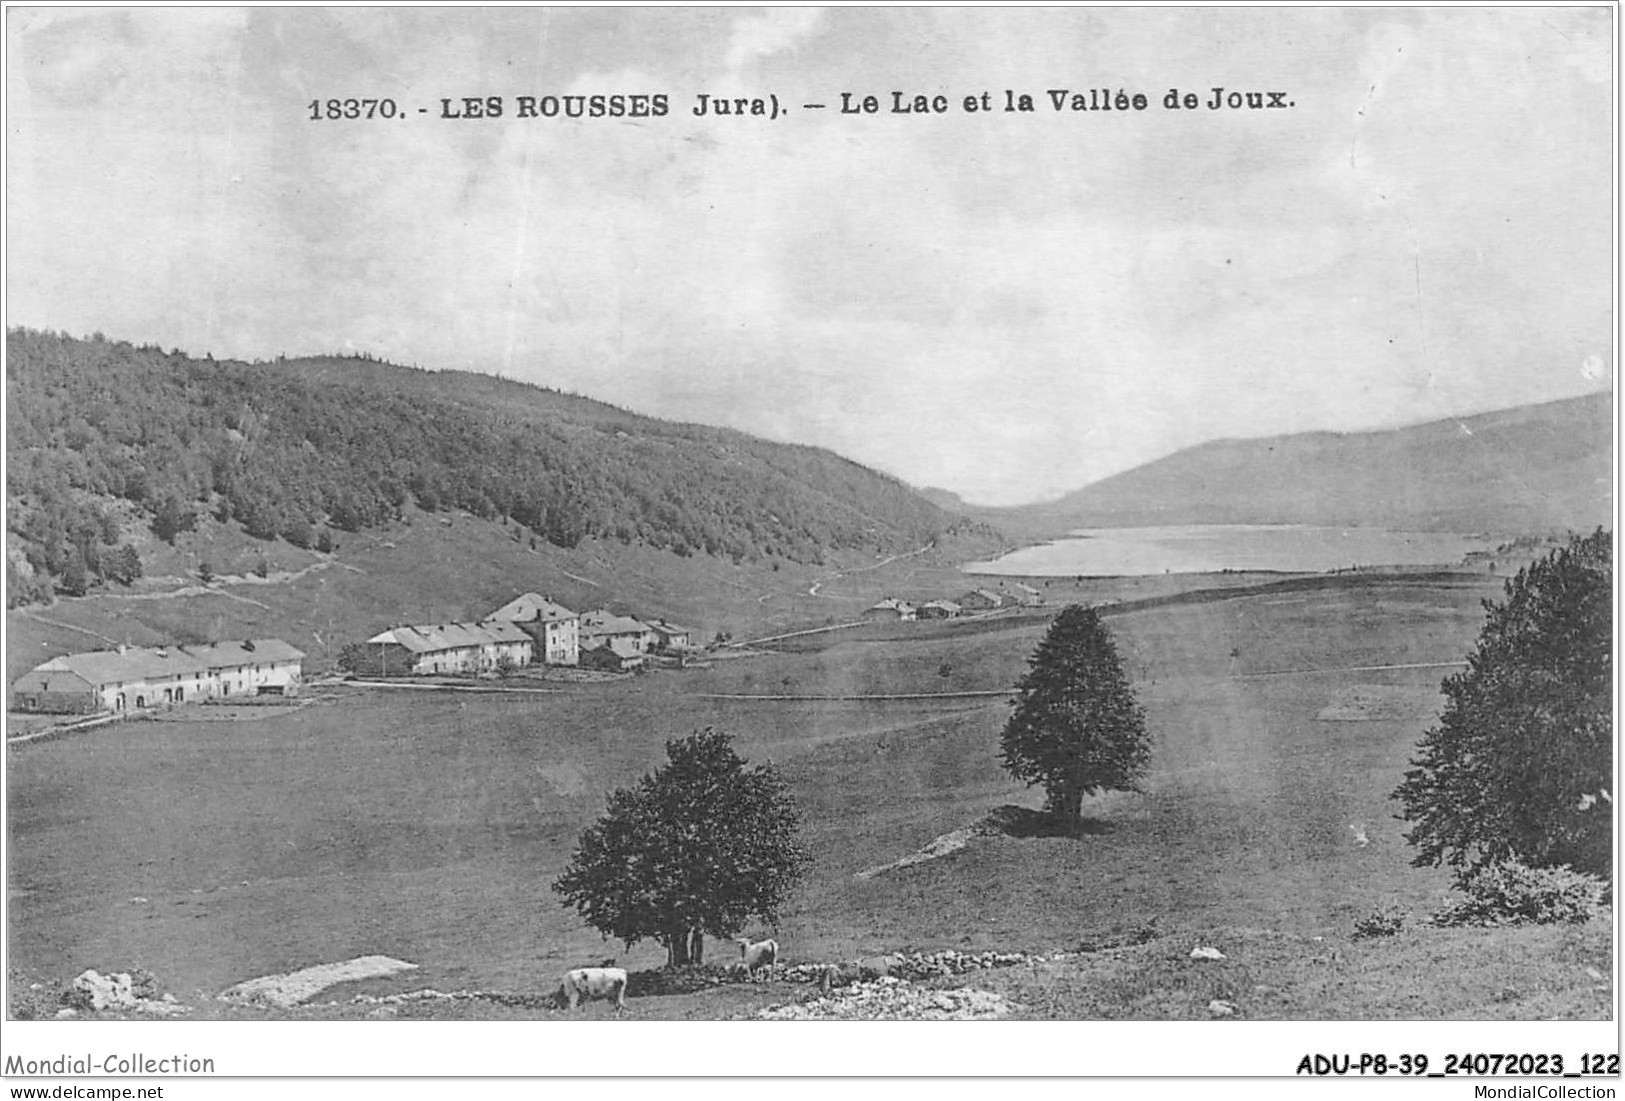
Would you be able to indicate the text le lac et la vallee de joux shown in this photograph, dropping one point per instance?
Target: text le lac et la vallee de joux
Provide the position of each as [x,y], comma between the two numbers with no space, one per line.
[770,106]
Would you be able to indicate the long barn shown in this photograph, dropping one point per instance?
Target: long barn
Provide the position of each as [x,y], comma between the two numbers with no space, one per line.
[133,678]
[449,648]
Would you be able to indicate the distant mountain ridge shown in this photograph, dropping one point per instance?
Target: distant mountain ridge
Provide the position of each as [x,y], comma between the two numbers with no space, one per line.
[1534,468]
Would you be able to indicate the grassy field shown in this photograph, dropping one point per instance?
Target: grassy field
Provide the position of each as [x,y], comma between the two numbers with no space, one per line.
[444,567]
[427,826]
[441,567]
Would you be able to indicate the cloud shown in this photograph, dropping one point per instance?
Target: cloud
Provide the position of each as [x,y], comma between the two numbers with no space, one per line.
[1056,296]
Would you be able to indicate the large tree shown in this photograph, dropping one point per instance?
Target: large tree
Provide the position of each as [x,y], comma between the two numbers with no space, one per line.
[1076,728]
[699,846]
[1520,763]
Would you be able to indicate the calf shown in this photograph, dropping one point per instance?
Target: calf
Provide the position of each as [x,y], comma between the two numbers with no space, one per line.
[586,983]
[756,956]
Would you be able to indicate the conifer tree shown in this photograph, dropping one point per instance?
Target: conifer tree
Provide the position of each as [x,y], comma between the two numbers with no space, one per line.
[1077,728]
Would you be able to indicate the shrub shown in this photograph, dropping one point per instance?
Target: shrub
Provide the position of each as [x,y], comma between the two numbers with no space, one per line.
[1380,923]
[32,1001]
[1510,893]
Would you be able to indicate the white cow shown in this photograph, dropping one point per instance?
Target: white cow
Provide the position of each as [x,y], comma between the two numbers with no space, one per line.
[764,953]
[586,983]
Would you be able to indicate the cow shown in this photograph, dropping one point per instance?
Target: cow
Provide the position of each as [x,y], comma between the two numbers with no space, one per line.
[586,983]
[756,956]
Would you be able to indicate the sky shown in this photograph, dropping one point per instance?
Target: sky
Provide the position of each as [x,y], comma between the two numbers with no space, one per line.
[1007,305]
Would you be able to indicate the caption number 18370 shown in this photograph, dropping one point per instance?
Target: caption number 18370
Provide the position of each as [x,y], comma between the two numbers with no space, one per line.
[352,109]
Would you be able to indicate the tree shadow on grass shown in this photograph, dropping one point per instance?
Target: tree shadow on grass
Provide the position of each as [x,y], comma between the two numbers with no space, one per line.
[1024,822]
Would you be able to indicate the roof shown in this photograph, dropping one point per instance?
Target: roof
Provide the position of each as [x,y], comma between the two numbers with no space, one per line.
[890,604]
[434,637]
[665,628]
[947,605]
[985,595]
[620,647]
[530,607]
[55,668]
[604,622]
[1024,588]
[143,663]
[248,652]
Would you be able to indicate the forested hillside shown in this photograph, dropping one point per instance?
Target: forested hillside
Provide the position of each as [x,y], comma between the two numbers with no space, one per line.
[101,434]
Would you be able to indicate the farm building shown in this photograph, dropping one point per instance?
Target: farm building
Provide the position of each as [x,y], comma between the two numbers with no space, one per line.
[671,637]
[939,609]
[890,608]
[253,667]
[131,678]
[450,648]
[602,624]
[555,629]
[980,600]
[1025,595]
[618,655]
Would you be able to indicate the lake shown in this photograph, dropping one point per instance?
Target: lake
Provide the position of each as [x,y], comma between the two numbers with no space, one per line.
[1210,548]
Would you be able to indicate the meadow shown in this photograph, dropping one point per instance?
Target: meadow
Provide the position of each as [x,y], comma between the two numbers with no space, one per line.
[428,826]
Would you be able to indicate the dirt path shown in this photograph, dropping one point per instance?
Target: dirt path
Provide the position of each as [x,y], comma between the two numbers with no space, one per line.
[450,687]
[795,634]
[1353,669]
[36,617]
[893,696]
[836,576]
[217,587]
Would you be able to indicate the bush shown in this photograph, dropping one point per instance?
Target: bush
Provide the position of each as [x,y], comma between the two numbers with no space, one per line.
[1511,893]
[1380,923]
[297,531]
[32,1001]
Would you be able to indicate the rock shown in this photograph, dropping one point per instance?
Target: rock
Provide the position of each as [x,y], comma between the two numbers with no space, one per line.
[891,998]
[105,991]
[285,991]
[65,1014]
[1220,1008]
[874,967]
[1206,954]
